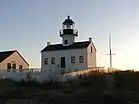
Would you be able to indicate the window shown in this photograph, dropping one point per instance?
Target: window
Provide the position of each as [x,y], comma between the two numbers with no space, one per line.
[72,59]
[91,49]
[14,66]
[53,60]
[65,41]
[45,61]
[20,66]
[8,65]
[81,59]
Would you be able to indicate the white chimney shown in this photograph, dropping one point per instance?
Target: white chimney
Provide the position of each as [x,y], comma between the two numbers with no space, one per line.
[48,43]
[90,39]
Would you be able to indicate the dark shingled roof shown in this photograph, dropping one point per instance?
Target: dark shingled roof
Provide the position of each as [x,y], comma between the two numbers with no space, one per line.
[68,21]
[75,45]
[5,54]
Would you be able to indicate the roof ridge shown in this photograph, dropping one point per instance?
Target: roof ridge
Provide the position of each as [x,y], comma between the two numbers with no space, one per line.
[8,51]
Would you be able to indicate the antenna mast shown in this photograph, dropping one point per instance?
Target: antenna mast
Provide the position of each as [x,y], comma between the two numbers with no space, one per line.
[110,54]
[68,13]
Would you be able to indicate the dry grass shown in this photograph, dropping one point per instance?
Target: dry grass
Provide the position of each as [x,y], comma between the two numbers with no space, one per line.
[90,89]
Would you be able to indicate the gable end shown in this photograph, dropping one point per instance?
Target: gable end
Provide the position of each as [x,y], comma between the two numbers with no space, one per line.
[22,57]
[4,55]
[93,46]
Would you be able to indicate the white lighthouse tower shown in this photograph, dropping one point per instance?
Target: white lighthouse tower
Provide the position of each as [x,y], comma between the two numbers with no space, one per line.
[68,32]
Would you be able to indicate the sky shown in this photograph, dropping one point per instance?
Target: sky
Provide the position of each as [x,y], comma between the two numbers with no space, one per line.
[27,25]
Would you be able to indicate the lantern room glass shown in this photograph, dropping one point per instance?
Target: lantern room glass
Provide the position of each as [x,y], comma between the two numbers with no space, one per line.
[68,26]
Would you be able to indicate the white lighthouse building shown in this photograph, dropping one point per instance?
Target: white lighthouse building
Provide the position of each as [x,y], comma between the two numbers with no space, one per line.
[70,55]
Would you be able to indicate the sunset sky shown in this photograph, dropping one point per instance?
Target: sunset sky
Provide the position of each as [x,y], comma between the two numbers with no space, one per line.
[27,25]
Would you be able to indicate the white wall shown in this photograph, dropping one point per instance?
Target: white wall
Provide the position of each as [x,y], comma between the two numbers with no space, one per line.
[45,75]
[91,57]
[67,54]
[70,38]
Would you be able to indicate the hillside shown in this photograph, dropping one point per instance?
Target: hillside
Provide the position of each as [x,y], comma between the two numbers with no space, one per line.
[96,88]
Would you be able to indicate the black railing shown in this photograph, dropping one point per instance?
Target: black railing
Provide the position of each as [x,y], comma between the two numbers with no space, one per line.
[68,31]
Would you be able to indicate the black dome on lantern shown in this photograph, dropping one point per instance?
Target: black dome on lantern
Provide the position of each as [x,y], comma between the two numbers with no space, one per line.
[68,21]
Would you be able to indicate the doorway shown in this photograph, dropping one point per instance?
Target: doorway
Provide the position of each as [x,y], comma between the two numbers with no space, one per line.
[62,62]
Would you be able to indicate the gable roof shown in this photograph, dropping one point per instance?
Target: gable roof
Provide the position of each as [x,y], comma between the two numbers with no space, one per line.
[6,54]
[76,45]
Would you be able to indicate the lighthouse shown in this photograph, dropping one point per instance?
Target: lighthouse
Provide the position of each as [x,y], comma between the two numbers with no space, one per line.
[69,55]
[68,33]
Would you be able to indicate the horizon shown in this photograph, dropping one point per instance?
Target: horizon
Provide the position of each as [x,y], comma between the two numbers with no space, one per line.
[28,25]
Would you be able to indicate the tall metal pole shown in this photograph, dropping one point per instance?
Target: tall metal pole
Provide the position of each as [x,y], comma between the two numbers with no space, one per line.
[110,53]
